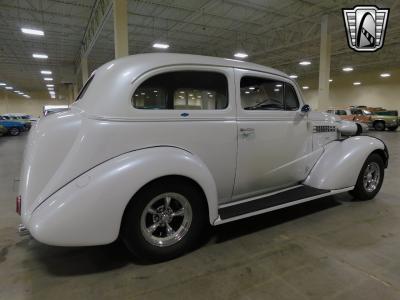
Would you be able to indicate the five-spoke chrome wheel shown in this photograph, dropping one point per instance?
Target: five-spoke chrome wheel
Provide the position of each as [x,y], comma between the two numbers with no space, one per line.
[166,219]
[371,176]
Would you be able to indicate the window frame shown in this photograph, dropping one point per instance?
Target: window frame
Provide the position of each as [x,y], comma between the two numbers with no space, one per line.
[271,77]
[184,68]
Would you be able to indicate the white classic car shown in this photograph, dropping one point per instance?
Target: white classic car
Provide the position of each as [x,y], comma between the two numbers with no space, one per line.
[159,146]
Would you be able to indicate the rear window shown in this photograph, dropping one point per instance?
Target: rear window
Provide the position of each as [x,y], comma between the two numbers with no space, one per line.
[183,90]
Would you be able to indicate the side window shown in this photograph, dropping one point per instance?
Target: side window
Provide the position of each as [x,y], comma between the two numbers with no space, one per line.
[341,112]
[291,101]
[188,90]
[267,94]
[261,94]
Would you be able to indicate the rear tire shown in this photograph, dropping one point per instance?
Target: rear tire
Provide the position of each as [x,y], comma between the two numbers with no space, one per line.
[14,131]
[164,220]
[393,128]
[370,179]
[379,126]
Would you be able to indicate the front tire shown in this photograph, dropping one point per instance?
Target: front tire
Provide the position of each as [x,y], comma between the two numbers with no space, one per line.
[164,220]
[379,126]
[14,131]
[370,179]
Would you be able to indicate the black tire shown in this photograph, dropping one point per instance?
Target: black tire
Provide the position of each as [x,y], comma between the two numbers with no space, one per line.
[360,192]
[131,230]
[393,128]
[14,131]
[379,126]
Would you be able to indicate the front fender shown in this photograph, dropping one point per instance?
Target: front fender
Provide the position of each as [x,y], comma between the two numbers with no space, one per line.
[89,209]
[340,164]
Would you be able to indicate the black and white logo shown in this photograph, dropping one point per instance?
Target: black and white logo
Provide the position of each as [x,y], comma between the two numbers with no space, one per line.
[366,27]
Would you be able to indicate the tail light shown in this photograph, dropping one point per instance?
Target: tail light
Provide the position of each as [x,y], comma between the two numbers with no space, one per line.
[18,205]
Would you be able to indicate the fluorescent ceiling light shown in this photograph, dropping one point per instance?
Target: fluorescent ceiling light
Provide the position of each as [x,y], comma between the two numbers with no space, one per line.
[240,55]
[48,79]
[9,88]
[305,63]
[276,90]
[32,31]
[250,88]
[330,80]
[278,85]
[45,72]
[20,93]
[160,46]
[49,85]
[357,83]
[26,96]
[39,55]
[294,76]
[306,87]
[347,69]
[384,75]
[17,92]
[2,83]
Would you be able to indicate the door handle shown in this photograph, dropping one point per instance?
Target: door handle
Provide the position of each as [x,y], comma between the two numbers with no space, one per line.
[246,131]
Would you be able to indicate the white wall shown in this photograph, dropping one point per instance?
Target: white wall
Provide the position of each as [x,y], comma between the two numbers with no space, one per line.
[374,90]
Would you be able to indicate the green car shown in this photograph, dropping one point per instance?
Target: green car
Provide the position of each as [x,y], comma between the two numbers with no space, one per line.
[385,119]
[3,130]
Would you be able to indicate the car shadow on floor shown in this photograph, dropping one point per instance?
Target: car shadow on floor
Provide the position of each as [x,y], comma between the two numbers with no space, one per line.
[72,261]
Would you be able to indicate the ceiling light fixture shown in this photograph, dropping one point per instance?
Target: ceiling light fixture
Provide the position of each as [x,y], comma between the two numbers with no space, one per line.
[26,96]
[32,31]
[305,63]
[357,83]
[45,72]
[240,55]
[293,76]
[40,56]
[330,80]
[306,87]
[160,46]
[9,88]
[3,84]
[48,79]
[50,85]
[347,69]
[384,75]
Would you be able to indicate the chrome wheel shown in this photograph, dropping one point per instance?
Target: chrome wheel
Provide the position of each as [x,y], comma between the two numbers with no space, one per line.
[371,177]
[166,219]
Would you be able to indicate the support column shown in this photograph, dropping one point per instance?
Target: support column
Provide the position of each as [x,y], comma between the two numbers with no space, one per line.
[324,66]
[75,90]
[84,69]
[121,28]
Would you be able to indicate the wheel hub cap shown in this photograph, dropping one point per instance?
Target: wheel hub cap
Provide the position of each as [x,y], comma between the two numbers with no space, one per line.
[166,219]
[371,177]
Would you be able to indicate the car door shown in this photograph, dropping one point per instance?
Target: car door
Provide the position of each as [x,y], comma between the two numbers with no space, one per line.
[274,139]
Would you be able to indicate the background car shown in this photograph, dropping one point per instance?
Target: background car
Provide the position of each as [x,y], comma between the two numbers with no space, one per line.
[13,127]
[351,114]
[381,118]
[24,119]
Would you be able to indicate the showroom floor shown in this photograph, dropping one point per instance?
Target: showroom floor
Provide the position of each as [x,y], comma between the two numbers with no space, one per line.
[326,249]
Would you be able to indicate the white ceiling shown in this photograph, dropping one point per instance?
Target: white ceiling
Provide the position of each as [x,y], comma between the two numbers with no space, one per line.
[277,33]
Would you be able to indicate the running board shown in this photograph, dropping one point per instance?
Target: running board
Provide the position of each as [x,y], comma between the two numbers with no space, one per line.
[259,205]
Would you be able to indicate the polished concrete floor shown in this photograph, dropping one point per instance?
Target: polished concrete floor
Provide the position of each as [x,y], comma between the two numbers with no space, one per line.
[332,248]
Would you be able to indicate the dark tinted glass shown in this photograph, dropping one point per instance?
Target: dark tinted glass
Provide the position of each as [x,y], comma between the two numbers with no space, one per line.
[261,94]
[291,101]
[188,90]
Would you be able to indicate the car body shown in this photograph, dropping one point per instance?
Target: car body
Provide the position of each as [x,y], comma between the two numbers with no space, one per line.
[24,119]
[3,130]
[385,119]
[155,139]
[351,114]
[13,127]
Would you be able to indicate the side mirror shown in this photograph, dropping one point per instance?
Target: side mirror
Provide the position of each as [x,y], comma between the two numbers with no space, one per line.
[305,109]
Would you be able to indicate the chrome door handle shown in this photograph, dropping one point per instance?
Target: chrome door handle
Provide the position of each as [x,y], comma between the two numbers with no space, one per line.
[246,131]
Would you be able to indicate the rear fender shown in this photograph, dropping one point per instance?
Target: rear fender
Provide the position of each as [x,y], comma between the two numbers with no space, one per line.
[341,163]
[89,209]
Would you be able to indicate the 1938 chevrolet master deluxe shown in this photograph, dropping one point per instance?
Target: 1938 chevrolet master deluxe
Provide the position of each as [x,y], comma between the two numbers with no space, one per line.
[158,146]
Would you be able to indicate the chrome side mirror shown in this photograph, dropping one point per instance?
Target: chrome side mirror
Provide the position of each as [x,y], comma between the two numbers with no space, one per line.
[305,109]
